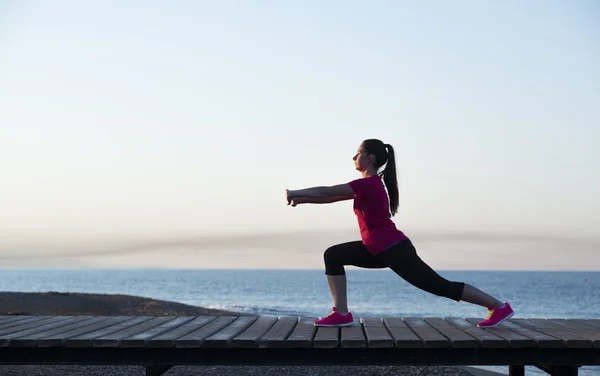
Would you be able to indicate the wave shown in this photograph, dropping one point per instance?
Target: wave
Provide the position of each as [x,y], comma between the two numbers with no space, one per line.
[260,311]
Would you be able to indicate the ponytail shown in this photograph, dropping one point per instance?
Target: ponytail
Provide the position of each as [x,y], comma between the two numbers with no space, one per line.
[387,158]
[391,180]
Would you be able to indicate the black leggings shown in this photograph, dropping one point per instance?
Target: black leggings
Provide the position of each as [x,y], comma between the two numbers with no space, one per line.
[402,258]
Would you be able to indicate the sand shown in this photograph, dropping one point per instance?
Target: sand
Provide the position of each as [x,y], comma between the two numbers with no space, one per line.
[80,304]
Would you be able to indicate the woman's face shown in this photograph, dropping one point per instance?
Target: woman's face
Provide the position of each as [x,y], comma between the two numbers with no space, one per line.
[362,159]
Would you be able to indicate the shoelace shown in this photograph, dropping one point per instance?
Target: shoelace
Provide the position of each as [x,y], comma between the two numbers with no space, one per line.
[490,314]
[332,312]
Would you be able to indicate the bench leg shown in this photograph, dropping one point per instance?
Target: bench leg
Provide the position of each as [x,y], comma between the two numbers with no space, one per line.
[156,369]
[564,371]
[560,370]
[516,370]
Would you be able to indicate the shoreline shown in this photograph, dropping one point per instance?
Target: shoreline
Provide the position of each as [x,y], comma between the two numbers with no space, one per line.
[53,303]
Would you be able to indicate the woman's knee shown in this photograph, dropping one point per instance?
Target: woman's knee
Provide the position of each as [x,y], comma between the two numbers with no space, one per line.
[335,253]
[416,272]
[457,290]
[329,254]
[446,288]
[333,263]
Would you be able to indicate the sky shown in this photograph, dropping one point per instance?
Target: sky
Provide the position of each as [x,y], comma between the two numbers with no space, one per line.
[175,127]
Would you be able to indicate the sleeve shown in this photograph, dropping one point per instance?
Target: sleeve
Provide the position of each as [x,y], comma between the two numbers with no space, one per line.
[361,187]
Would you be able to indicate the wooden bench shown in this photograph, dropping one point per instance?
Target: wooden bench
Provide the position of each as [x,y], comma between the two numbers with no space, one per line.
[158,342]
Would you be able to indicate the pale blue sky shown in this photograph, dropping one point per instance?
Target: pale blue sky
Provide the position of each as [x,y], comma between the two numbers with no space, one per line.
[170,119]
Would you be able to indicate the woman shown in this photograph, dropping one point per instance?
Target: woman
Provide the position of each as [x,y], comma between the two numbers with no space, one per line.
[382,244]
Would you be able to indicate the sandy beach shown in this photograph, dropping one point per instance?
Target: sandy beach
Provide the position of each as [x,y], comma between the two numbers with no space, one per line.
[58,303]
[80,304]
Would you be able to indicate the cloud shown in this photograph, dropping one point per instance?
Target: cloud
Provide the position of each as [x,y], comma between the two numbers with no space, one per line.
[297,241]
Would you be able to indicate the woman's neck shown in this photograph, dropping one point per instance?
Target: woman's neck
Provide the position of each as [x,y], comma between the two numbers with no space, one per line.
[369,172]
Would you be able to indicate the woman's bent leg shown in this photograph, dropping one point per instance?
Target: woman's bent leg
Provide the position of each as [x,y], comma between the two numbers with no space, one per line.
[336,257]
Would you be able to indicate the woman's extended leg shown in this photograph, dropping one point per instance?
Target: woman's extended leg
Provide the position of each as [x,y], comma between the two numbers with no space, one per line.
[403,259]
[473,295]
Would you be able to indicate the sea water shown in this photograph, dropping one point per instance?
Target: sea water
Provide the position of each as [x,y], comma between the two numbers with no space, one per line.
[305,292]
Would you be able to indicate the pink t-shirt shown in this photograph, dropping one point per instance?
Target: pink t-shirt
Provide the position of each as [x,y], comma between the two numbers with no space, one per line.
[372,209]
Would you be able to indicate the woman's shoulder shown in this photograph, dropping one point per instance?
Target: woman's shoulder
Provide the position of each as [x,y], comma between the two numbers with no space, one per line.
[369,184]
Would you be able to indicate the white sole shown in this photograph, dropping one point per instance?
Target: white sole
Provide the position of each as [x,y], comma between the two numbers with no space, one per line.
[330,326]
[499,322]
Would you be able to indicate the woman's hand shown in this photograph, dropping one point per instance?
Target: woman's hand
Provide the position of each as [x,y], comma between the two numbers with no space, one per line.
[298,200]
[292,200]
[288,197]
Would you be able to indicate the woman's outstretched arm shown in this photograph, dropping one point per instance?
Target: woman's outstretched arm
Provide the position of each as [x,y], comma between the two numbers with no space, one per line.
[319,200]
[319,192]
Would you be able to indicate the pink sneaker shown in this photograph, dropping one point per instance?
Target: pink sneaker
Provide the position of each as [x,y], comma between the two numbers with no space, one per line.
[496,316]
[336,319]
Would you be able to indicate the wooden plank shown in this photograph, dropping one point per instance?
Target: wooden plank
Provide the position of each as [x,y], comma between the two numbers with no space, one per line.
[515,340]
[36,327]
[223,337]
[483,336]
[141,339]
[303,333]
[376,333]
[353,336]
[543,341]
[195,338]
[571,340]
[431,338]
[403,336]
[23,324]
[21,320]
[457,337]
[168,339]
[114,339]
[326,337]
[12,319]
[31,340]
[580,327]
[576,325]
[587,323]
[87,339]
[574,328]
[58,339]
[596,322]
[249,337]
[276,336]
[593,322]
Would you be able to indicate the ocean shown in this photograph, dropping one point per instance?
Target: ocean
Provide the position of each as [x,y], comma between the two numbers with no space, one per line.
[305,292]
